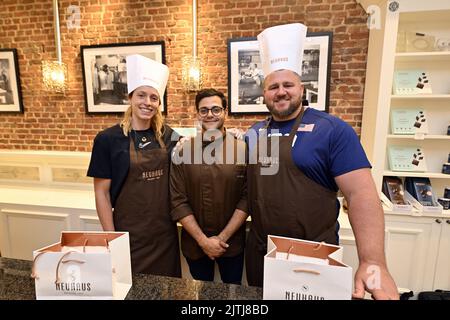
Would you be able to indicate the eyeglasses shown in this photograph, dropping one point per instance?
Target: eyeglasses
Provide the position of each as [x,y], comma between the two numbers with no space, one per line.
[216,111]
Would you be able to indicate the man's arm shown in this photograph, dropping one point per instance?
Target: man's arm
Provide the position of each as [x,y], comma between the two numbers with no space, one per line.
[103,203]
[233,225]
[367,220]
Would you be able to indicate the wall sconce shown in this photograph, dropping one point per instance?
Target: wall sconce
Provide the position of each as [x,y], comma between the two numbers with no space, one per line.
[54,73]
[191,76]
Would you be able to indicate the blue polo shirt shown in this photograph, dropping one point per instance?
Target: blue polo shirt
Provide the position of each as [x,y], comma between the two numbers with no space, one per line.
[325,147]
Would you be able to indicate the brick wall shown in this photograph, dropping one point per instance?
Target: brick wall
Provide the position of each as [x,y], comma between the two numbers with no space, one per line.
[59,122]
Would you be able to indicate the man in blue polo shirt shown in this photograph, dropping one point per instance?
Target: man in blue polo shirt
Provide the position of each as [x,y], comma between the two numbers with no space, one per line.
[318,154]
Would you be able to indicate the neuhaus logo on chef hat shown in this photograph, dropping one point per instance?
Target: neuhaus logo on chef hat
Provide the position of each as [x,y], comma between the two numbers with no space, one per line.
[281,47]
[142,71]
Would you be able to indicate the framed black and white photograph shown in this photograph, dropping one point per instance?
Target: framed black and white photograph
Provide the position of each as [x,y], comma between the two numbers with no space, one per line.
[245,76]
[10,90]
[105,74]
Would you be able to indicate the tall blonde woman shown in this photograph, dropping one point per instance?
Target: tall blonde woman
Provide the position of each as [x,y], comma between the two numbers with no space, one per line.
[130,166]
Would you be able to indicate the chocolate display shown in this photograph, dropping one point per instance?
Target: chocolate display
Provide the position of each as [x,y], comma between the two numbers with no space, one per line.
[417,157]
[407,158]
[411,82]
[446,168]
[393,189]
[409,121]
[422,80]
[447,193]
[445,202]
[421,190]
[420,118]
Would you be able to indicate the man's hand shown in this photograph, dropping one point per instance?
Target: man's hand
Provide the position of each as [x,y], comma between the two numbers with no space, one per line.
[176,151]
[180,143]
[238,133]
[213,247]
[376,280]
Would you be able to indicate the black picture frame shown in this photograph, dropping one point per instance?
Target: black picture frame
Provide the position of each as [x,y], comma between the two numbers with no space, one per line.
[10,88]
[114,97]
[245,93]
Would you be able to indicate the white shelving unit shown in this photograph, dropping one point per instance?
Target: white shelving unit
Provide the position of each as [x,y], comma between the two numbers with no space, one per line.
[422,56]
[422,97]
[432,175]
[426,137]
[415,236]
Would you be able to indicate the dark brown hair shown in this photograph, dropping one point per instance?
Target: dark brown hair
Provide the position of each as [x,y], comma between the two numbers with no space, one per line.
[205,93]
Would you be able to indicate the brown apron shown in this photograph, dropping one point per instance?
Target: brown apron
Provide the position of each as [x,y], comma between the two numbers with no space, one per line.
[286,204]
[142,209]
[213,191]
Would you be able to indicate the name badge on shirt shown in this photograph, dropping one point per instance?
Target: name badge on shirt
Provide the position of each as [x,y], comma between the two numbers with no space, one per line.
[306,127]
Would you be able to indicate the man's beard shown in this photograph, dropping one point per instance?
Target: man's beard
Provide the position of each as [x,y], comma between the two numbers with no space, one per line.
[294,105]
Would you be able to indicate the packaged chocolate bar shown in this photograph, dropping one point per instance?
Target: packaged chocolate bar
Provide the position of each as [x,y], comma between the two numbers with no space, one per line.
[446,168]
[409,121]
[411,82]
[407,158]
[447,192]
[393,189]
[421,190]
[445,202]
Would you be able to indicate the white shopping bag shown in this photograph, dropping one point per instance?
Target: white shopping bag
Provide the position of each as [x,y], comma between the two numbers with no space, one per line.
[305,270]
[84,265]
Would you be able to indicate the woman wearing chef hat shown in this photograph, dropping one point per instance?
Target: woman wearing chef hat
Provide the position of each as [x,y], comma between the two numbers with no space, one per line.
[130,167]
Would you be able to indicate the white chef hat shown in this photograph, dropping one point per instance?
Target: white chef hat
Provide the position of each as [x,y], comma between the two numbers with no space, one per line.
[142,71]
[281,47]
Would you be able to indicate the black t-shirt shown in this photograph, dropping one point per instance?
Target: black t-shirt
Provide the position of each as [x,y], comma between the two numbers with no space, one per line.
[145,139]
[110,158]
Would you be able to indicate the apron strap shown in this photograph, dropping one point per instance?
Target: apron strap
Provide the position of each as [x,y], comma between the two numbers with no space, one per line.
[267,122]
[297,122]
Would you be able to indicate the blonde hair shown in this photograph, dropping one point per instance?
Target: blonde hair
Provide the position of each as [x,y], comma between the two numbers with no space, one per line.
[156,122]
